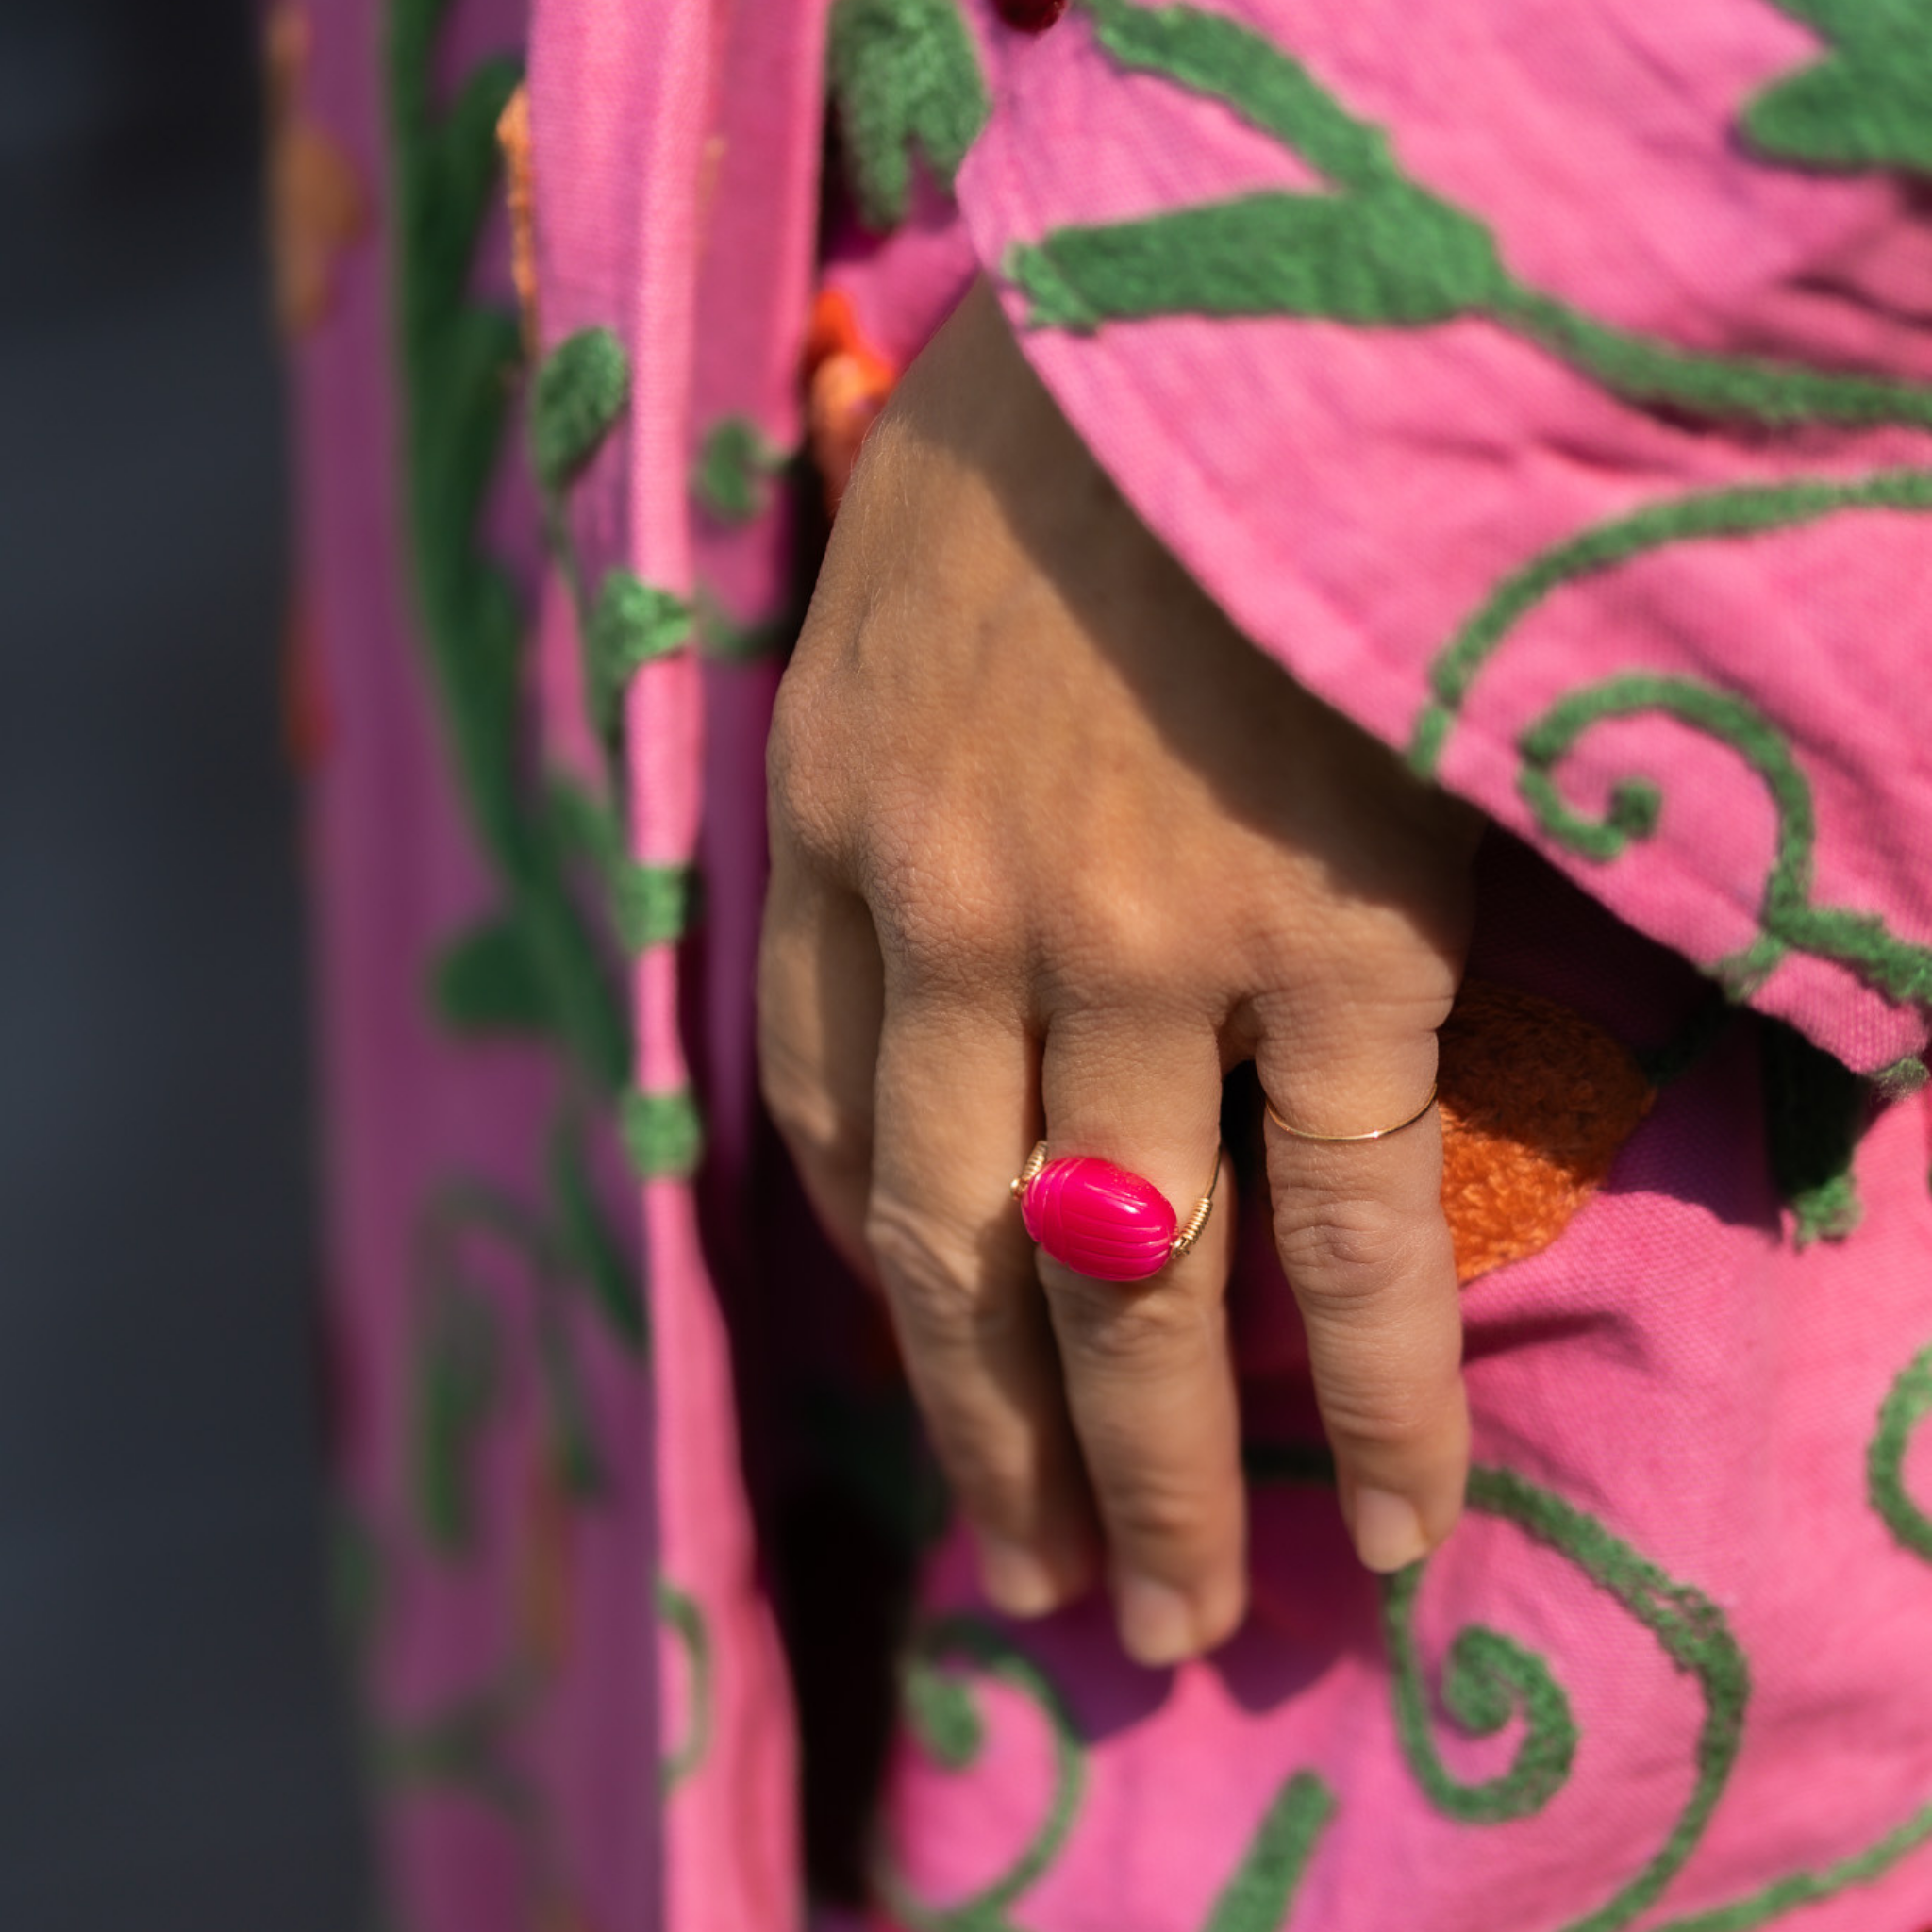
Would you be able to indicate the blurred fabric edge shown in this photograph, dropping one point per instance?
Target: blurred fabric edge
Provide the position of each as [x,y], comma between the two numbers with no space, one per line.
[175,1746]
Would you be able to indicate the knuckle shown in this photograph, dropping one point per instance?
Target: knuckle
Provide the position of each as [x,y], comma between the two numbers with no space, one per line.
[1341,1251]
[832,1137]
[1392,1427]
[934,1281]
[1154,1513]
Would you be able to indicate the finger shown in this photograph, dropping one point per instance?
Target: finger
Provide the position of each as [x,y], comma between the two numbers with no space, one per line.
[1361,1236]
[956,1112]
[1147,1367]
[820,1004]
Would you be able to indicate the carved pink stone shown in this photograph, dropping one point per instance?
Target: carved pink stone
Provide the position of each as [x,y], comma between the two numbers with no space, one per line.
[1099,1220]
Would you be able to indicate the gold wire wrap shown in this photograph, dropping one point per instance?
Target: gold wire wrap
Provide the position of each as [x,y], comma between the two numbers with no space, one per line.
[1379,1134]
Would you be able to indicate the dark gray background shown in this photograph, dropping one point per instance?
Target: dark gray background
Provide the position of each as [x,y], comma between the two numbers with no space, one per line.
[173,1748]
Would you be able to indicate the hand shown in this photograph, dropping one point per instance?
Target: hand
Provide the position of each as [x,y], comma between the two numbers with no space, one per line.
[1053,847]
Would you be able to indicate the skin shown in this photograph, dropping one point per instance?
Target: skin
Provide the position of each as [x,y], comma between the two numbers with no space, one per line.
[1054,848]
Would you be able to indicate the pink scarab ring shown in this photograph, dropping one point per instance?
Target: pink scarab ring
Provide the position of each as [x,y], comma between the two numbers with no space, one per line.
[1102,1221]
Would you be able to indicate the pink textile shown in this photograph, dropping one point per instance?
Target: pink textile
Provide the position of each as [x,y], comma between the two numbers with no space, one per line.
[1702,1558]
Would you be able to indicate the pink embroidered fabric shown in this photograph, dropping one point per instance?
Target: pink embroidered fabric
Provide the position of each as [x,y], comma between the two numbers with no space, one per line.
[1670,1675]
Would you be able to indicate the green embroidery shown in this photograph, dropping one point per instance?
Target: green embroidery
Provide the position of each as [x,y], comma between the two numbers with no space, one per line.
[457,360]
[1788,920]
[1749,510]
[653,902]
[1381,248]
[662,1133]
[722,636]
[650,904]
[459,1373]
[1261,1893]
[463,1748]
[1494,1671]
[1901,1078]
[1868,102]
[590,1247]
[1907,1405]
[567,1407]
[486,983]
[582,388]
[631,623]
[1809,1887]
[686,1622]
[732,477]
[459,1380]
[1487,1679]
[905,73]
[1815,1111]
[947,1722]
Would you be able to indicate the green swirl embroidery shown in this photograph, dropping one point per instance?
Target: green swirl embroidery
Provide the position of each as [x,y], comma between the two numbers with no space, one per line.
[1905,1408]
[1746,510]
[944,1717]
[1908,1404]
[1379,248]
[686,1622]
[1489,1675]
[1788,919]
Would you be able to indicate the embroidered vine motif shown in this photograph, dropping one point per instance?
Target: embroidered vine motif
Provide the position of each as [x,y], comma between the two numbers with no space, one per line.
[1745,510]
[685,1620]
[944,1716]
[1380,248]
[580,392]
[1868,102]
[1905,1407]
[1490,1677]
[1261,1893]
[535,966]
[1790,921]
[732,477]
[905,76]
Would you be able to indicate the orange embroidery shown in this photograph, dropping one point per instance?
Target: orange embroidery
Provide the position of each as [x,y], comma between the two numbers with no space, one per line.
[519,191]
[317,203]
[1536,1104]
[847,384]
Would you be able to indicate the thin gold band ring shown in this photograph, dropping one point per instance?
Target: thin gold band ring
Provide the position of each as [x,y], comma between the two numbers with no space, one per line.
[1379,1134]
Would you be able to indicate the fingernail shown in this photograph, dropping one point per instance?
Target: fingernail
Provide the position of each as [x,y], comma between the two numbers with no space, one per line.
[1388,1532]
[1015,1580]
[1156,1622]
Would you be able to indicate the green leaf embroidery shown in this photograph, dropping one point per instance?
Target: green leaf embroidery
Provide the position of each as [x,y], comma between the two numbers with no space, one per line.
[589,1246]
[662,1134]
[631,623]
[905,75]
[485,983]
[1868,102]
[1381,248]
[580,392]
[457,1383]
[732,477]
[1815,1111]
[682,1615]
